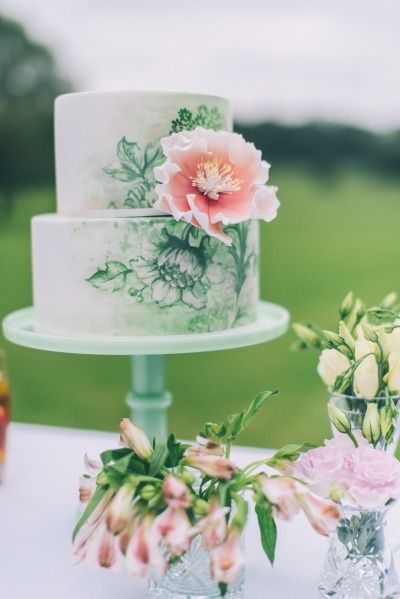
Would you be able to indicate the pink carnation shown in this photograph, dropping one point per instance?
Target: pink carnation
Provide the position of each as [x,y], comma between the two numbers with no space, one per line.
[372,477]
[322,468]
[213,178]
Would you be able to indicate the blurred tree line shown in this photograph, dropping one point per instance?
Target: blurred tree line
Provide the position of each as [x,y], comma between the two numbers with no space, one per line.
[325,148]
[29,82]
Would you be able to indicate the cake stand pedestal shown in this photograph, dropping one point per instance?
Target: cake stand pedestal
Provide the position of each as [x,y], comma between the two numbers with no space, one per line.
[148,400]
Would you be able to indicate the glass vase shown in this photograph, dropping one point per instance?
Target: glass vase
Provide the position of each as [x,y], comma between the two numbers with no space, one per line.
[190,578]
[359,563]
[355,409]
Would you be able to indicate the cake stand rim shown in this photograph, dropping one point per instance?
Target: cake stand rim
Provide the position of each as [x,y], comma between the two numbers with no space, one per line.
[272,322]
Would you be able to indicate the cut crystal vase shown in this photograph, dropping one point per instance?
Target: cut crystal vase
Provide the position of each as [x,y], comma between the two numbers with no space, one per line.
[190,578]
[359,563]
[355,409]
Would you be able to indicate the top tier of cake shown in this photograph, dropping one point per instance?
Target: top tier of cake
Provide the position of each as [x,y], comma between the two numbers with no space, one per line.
[107,144]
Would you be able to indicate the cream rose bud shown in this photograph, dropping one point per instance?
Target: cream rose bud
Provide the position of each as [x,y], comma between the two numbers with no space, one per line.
[393,376]
[393,340]
[331,364]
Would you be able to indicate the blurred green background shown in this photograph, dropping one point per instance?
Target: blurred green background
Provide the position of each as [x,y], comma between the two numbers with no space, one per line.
[337,230]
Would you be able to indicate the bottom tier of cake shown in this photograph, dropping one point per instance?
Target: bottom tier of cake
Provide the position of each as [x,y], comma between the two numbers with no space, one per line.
[141,275]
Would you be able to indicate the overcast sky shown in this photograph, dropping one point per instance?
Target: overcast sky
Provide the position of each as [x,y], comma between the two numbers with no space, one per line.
[293,60]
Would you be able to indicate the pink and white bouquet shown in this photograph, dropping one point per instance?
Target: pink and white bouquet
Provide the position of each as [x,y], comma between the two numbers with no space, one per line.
[360,364]
[365,482]
[145,503]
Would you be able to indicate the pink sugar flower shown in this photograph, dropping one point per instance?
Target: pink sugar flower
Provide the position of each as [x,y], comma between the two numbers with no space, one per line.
[213,178]
[227,559]
[175,492]
[87,486]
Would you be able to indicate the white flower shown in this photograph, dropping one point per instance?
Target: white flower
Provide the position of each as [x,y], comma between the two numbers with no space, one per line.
[393,376]
[393,340]
[366,376]
[331,364]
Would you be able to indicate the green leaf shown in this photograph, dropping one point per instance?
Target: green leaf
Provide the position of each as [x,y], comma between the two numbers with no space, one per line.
[112,455]
[223,588]
[91,506]
[292,452]
[159,457]
[122,465]
[268,530]
[130,154]
[175,452]
[112,276]
[256,404]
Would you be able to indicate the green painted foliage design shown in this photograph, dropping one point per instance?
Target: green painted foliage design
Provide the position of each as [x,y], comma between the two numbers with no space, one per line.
[135,165]
[209,118]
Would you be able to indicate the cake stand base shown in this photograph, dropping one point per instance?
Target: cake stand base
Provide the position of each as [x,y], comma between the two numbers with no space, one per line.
[148,399]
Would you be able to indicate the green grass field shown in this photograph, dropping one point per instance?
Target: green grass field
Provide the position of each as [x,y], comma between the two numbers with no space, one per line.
[332,234]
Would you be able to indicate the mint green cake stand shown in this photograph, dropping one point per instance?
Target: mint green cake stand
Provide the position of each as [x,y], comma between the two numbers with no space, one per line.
[148,399]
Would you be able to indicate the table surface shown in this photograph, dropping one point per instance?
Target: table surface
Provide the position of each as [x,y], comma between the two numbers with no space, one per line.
[38,507]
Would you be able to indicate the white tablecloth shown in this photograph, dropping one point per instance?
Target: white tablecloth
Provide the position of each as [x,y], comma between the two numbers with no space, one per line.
[38,506]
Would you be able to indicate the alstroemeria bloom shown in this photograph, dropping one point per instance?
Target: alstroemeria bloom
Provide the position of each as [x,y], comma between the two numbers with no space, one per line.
[174,527]
[120,510]
[323,515]
[175,492]
[227,559]
[212,465]
[213,527]
[87,486]
[144,551]
[134,437]
[281,492]
[214,178]
[87,535]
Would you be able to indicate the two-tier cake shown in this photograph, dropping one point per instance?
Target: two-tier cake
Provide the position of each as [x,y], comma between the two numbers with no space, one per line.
[129,252]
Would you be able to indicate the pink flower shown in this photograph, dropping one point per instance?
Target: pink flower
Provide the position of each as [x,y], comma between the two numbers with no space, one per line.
[92,466]
[227,559]
[213,178]
[88,534]
[175,492]
[173,525]
[107,550]
[322,514]
[281,492]
[372,477]
[144,551]
[205,445]
[213,527]
[87,486]
[212,465]
[134,437]
[323,467]
[120,510]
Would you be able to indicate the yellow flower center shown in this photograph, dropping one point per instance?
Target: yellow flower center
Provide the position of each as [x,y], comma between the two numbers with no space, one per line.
[214,177]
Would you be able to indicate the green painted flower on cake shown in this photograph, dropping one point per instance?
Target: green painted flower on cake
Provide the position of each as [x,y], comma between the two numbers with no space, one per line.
[176,270]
